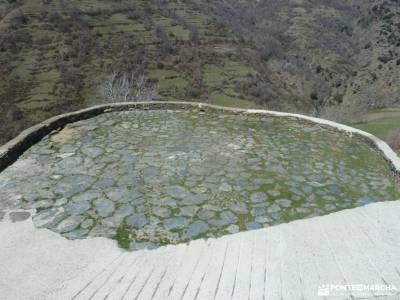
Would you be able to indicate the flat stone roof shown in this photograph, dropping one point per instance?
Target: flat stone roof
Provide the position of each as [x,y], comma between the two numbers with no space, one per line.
[353,253]
[151,178]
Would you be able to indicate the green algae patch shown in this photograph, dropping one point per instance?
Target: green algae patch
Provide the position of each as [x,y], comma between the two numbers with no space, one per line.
[123,236]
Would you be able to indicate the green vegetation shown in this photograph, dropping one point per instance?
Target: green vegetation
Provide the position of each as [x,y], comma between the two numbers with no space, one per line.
[385,124]
[123,236]
[226,99]
[286,55]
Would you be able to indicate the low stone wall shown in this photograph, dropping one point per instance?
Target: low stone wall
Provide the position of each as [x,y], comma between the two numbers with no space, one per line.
[12,150]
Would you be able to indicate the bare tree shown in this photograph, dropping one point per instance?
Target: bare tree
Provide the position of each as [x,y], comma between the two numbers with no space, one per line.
[369,98]
[374,97]
[393,139]
[337,113]
[124,87]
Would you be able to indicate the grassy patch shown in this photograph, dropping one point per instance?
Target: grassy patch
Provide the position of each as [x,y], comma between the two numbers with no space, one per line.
[381,123]
[213,75]
[163,73]
[168,79]
[237,68]
[123,236]
[176,30]
[223,99]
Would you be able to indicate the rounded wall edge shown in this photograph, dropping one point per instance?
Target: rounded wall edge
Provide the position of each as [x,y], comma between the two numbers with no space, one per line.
[13,149]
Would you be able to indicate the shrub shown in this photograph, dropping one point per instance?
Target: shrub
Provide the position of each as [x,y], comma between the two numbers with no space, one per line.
[17,19]
[314,95]
[393,139]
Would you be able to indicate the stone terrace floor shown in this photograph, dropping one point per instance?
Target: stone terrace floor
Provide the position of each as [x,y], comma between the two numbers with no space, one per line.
[150,178]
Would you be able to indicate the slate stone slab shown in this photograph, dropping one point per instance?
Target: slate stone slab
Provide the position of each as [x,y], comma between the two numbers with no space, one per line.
[137,221]
[19,216]
[196,228]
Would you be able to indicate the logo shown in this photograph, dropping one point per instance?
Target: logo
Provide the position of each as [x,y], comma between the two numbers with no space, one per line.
[362,290]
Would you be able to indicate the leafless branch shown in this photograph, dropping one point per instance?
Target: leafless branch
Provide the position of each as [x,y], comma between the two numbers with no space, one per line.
[124,87]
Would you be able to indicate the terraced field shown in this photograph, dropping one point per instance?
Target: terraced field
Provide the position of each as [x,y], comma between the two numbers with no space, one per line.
[297,56]
[63,51]
[149,178]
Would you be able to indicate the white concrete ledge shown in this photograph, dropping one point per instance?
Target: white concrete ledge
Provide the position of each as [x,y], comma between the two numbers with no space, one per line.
[285,262]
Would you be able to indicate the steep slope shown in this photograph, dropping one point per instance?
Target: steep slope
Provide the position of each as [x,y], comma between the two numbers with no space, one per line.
[296,55]
[54,54]
[317,53]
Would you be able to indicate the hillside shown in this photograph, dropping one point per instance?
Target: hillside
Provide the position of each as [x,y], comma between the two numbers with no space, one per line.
[293,55]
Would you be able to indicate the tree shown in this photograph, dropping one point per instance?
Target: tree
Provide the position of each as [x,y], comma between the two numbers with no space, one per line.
[393,139]
[373,97]
[125,87]
[194,35]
